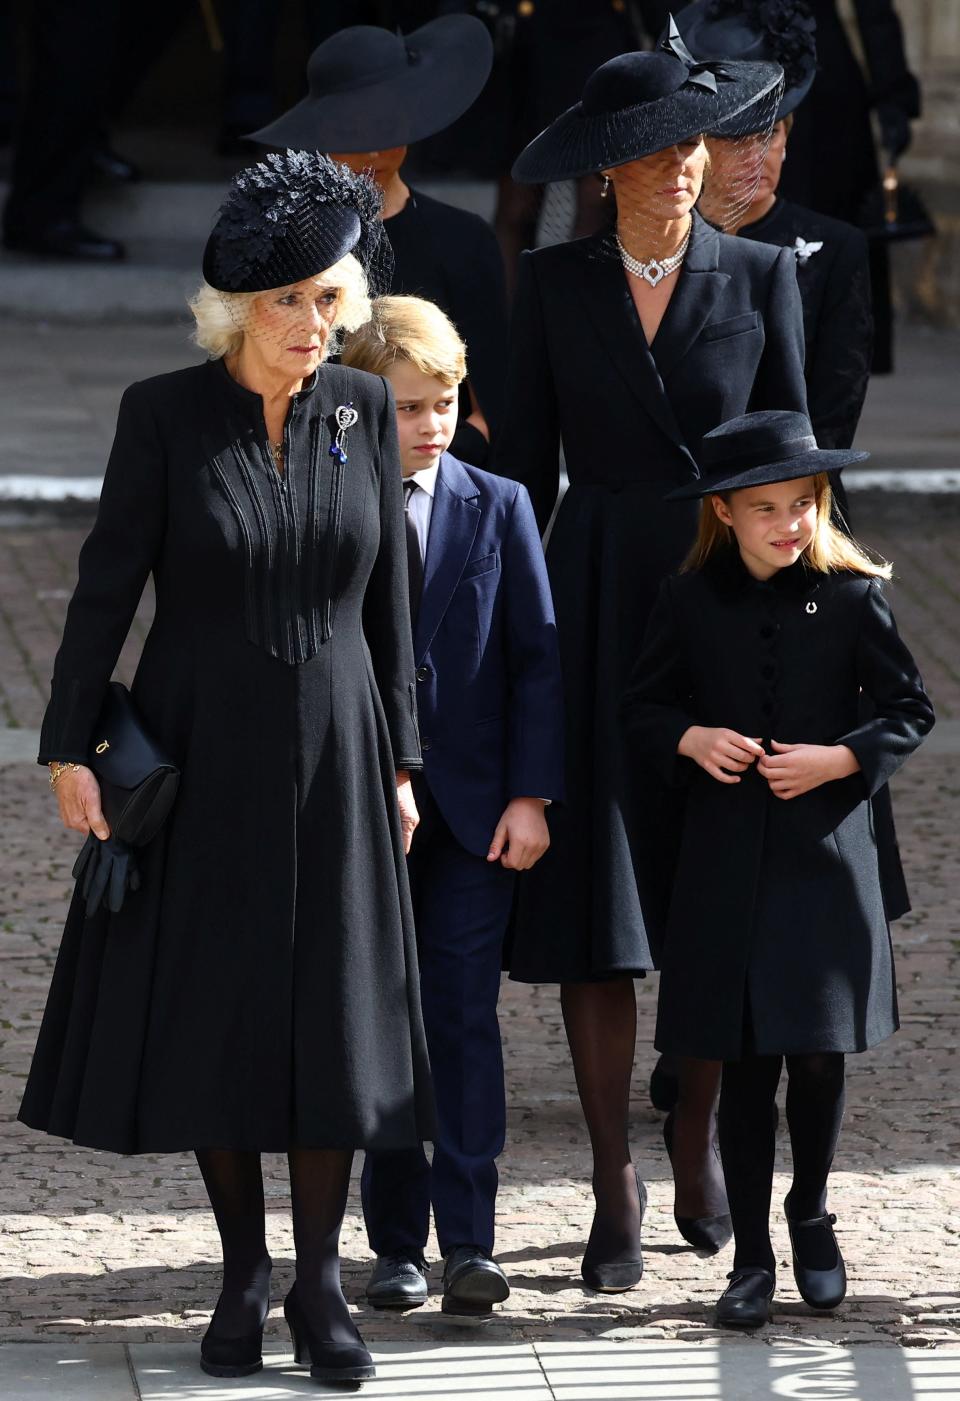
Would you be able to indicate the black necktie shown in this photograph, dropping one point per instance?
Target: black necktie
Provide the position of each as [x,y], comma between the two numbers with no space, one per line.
[414,557]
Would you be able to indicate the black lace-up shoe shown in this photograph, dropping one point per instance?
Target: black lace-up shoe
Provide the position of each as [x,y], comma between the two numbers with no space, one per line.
[397,1282]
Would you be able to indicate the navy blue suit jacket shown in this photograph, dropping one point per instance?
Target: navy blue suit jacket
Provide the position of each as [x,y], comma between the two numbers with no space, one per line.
[489,692]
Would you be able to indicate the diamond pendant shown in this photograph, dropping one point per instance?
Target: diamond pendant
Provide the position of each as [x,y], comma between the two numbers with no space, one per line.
[653,272]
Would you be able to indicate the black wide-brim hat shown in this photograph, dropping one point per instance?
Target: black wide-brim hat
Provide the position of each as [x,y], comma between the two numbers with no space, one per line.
[292,216]
[766,31]
[371,89]
[757,449]
[639,103]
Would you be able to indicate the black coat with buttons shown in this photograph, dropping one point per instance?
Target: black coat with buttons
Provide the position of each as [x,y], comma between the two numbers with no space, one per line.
[776,920]
[629,417]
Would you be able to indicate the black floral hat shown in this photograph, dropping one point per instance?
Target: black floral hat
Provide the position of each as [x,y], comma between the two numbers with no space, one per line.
[291,216]
[766,31]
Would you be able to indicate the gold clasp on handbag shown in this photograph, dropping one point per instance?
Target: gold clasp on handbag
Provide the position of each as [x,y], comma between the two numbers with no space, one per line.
[103,746]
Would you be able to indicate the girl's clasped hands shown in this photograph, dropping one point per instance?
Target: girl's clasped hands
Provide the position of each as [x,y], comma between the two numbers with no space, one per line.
[792,769]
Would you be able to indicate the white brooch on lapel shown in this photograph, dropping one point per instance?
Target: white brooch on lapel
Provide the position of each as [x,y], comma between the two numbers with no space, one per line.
[805,250]
[346,416]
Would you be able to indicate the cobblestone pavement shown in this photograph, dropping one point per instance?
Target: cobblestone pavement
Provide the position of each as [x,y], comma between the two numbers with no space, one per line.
[93,1247]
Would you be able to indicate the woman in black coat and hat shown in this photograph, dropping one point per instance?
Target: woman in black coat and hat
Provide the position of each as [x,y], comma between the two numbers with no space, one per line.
[259,992]
[626,349]
[372,94]
[747,694]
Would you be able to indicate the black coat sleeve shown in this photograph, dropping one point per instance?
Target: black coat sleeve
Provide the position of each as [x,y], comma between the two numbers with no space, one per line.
[386,605]
[881,35]
[481,317]
[657,707]
[838,360]
[528,445]
[887,673]
[115,562]
[779,382]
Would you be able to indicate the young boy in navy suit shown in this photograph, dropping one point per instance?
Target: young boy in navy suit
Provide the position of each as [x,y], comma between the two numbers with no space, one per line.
[489,700]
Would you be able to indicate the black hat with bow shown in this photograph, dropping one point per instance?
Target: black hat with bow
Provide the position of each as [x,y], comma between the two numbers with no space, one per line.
[292,216]
[640,103]
[370,89]
[756,449]
[768,31]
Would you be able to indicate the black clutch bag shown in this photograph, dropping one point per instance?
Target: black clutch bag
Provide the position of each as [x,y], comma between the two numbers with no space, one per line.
[138,784]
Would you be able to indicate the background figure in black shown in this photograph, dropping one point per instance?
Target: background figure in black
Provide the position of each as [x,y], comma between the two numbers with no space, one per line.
[60,129]
[833,160]
[372,94]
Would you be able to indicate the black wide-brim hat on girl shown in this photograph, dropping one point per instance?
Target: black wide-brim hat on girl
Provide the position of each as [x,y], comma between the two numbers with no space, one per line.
[759,448]
[371,89]
[640,103]
[292,216]
[767,31]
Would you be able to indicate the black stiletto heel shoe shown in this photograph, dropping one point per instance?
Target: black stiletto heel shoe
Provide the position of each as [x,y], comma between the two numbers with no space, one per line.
[706,1233]
[328,1361]
[819,1288]
[616,1275]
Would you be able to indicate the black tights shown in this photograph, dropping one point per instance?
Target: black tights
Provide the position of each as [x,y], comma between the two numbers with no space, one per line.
[319,1180]
[815,1096]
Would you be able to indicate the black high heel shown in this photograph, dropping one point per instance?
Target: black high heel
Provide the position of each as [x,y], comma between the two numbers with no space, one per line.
[614,1276]
[232,1357]
[328,1361]
[706,1233]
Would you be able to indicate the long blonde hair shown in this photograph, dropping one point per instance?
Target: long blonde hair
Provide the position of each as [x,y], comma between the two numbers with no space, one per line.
[829,550]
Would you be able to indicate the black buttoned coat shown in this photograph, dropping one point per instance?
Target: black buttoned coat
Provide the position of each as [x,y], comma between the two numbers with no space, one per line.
[260,991]
[777,919]
[629,418]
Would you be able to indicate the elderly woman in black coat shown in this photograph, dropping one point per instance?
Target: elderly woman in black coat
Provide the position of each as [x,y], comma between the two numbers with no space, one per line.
[747,694]
[627,348]
[259,991]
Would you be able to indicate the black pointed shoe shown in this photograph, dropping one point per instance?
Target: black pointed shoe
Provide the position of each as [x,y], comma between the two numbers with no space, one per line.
[613,1274]
[820,1288]
[745,1303]
[397,1282]
[328,1361]
[708,1234]
[472,1283]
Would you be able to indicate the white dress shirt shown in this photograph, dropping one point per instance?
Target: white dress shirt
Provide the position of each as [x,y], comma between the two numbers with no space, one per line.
[421,503]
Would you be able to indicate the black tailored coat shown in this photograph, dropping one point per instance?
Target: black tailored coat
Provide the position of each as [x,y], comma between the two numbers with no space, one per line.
[261,988]
[630,421]
[777,918]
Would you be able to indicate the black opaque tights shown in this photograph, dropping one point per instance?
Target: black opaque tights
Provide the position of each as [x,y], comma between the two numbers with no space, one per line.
[234,1184]
[815,1098]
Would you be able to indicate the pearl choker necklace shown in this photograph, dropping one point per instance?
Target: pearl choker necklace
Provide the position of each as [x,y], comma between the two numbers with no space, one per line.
[655,269]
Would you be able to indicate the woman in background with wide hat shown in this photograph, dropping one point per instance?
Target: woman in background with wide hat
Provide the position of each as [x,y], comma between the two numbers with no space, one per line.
[626,349]
[371,95]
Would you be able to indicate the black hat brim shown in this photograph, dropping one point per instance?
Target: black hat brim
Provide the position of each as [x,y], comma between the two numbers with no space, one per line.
[716,38]
[455,57]
[804,464]
[579,144]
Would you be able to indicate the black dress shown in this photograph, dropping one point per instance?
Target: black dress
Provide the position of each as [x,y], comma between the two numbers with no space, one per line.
[451,257]
[834,282]
[777,919]
[630,423]
[261,989]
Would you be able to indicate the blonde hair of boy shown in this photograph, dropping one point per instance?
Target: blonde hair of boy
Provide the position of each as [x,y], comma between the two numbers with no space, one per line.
[828,552]
[409,330]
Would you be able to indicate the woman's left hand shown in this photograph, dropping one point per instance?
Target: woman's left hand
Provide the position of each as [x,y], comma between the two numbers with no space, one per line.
[409,817]
[794,769]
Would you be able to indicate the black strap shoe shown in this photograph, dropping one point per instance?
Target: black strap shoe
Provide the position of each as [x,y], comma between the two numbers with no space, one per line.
[818,1265]
[472,1283]
[397,1282]
[64,238]
[745,1303]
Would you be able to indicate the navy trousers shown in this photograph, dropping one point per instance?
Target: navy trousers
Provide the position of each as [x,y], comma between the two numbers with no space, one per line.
[461,907]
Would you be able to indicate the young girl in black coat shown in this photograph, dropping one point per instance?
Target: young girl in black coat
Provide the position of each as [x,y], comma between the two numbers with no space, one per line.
[747,691]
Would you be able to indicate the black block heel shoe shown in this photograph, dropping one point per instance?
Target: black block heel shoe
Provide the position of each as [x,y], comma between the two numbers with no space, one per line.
[613,1275]
[232,1357]
[328,1361]
[708,1234]
[745,1303]
[819,1288]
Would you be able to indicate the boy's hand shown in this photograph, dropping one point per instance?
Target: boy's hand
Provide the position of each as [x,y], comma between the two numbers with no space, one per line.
[723,754]
[797,768]
[522,835]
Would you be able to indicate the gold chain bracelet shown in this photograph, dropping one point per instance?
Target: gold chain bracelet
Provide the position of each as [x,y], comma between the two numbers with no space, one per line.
[57,770]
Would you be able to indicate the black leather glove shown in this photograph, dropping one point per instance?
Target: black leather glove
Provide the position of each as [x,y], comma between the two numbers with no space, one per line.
[894,128]
[108,869]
